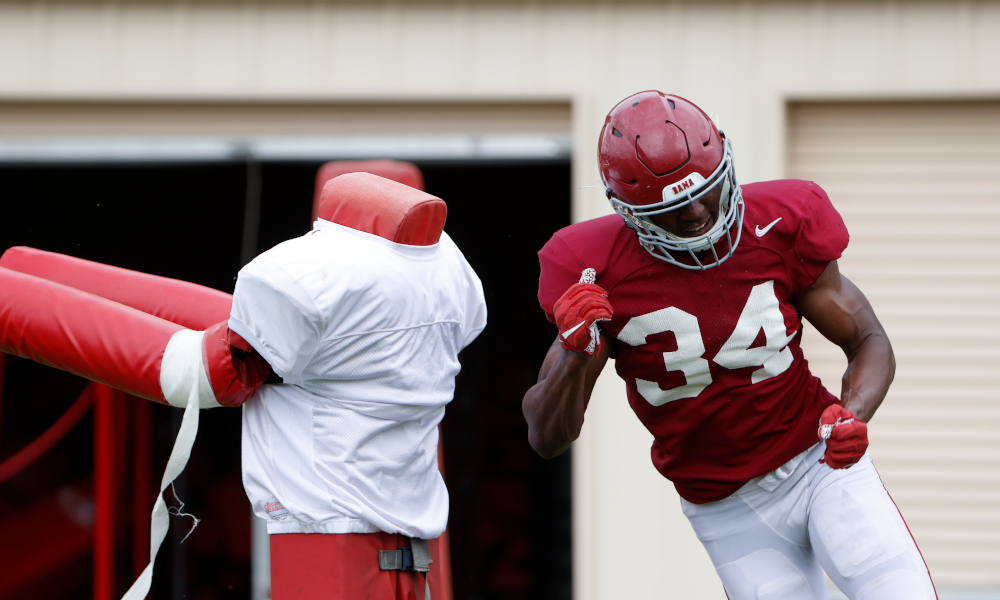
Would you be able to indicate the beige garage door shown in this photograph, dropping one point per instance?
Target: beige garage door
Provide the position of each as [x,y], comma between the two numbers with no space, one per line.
[919,187]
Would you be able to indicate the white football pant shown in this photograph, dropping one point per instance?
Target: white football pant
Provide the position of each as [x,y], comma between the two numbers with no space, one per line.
[773,538]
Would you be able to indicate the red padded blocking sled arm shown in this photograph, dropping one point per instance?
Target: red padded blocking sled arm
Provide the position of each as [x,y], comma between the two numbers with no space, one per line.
[187,304]
[385,208]
[234,378]
[92,337]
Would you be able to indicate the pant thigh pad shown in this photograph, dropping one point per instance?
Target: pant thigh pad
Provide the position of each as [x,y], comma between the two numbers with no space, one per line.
[858,535]
[765,575]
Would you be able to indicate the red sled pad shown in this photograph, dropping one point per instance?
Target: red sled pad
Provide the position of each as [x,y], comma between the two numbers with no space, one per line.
[403,172]
[388,209]
[187,304]
[89,336]
[345,566]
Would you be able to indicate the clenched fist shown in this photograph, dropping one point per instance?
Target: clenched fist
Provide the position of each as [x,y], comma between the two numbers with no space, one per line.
[578,311]
[846,436]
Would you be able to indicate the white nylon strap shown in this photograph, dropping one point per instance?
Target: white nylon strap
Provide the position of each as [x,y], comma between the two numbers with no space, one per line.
[184,383]
[182,367]
[160,517]
[422,562]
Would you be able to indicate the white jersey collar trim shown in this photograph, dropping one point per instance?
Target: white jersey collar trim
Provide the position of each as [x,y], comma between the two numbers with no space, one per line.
[425,252]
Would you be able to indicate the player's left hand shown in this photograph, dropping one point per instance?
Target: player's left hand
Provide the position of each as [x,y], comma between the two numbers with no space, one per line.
[846,437]
[578,311]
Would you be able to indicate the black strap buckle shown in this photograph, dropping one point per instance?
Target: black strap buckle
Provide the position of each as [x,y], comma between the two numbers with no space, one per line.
[395,560]
[416,557]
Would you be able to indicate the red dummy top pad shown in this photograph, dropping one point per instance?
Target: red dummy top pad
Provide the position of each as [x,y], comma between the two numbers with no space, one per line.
[382,207]
[403,172]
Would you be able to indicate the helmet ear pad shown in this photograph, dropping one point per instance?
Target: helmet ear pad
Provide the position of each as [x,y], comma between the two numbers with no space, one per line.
[382,207]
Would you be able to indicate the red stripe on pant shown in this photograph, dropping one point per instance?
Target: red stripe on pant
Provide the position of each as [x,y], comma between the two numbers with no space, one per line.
[318,566]
[901,518]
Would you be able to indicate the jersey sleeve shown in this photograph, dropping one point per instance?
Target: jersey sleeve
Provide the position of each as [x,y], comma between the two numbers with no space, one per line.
[821,237]
[560,268]
[475,307]
[276,316]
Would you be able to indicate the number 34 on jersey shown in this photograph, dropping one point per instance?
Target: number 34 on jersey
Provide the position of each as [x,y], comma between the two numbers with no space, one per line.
[761,312]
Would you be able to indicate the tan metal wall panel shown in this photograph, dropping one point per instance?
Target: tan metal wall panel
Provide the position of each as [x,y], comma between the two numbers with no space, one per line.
[919,187]
[124,118]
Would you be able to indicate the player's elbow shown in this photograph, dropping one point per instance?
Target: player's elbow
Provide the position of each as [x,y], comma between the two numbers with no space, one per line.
[545,436]
[546,447]
[891,362]
[870,341]
[882,347]
[551,437]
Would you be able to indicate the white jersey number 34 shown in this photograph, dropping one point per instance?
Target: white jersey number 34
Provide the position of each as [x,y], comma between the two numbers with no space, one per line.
[761,312]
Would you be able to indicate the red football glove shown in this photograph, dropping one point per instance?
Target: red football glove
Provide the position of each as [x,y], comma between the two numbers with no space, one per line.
[578,311]
[846,437]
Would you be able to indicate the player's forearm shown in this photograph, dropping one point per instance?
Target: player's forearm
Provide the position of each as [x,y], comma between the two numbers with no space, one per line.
[870,370]
[554,407]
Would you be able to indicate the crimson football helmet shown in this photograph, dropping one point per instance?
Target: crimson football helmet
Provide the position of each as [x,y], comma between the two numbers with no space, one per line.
[659,153]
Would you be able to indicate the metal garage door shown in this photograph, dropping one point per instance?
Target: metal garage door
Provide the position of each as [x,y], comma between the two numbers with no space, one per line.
[919,187]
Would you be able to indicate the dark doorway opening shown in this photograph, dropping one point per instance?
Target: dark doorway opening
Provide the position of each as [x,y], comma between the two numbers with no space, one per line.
[510,514]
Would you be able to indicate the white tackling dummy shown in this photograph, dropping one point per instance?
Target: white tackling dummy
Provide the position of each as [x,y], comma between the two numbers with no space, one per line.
[364,323]
[365,334]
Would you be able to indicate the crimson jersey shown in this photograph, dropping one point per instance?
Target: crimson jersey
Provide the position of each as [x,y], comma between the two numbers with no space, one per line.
[711,359]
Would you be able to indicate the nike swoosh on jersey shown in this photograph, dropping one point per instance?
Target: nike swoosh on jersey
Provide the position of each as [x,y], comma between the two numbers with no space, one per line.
[569,332]
[760,232]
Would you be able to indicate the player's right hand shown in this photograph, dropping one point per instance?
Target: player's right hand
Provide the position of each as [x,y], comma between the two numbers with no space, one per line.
[846,437]
[577,313]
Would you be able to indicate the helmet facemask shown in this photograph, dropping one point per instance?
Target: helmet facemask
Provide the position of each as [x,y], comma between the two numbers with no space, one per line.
[700,249]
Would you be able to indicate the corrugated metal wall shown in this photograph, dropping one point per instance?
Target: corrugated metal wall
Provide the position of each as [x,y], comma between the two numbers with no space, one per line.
[919,187]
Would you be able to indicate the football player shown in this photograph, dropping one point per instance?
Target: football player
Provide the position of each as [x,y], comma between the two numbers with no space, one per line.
[697,288]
